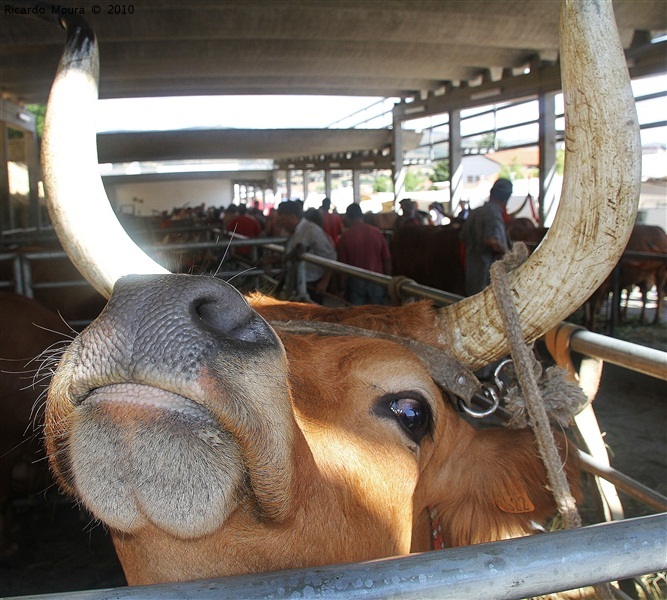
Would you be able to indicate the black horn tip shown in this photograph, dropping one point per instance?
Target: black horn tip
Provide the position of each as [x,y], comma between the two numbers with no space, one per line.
[80,35]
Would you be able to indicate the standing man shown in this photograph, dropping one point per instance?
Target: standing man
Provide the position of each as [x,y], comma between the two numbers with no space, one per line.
[363,246]
[332,223]
[410,215]
[485,237]
[244,225]
[312,239]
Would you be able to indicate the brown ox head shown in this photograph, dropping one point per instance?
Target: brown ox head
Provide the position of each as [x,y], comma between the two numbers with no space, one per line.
[212,440]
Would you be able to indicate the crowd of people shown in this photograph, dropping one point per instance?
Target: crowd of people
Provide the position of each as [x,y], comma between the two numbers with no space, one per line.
[353,240]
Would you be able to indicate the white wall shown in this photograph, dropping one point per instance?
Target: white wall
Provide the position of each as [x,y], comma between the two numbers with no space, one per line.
[157,196]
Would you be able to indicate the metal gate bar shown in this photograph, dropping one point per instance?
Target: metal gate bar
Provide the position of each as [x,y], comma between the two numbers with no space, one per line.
[625,354]
[630,486]
[508,570]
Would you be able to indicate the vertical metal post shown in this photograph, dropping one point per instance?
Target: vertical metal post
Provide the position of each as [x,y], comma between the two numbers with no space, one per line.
[301,287]
[6,212]
[398,170]
[547,151]
[356,186]
[615,297]
[26,276]
[32,159]
[288,180]
[17,268]
[327,183]
[455,162]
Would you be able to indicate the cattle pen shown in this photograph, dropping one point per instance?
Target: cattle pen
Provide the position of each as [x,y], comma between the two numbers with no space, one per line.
[619,550]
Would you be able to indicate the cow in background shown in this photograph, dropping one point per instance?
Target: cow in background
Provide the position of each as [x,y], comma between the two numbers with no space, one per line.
[640,272]
[434,256]
[431,256]
[524,230]
[76,301]
[27,330]
[384,220]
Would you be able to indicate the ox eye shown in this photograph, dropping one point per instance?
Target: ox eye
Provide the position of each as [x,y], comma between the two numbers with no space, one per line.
[411,411]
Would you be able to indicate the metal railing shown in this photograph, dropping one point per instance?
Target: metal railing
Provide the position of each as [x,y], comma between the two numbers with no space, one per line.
[507,570]
[625,354]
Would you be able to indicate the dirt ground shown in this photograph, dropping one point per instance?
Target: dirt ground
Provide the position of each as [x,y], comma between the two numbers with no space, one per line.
[61,549]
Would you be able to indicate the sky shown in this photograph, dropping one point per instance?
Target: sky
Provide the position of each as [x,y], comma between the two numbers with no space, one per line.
[242,112]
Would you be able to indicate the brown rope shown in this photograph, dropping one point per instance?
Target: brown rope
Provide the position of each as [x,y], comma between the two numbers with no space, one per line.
[524,364]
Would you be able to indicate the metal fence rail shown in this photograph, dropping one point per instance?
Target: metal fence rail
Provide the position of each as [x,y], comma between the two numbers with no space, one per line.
[624,354]
[508,570]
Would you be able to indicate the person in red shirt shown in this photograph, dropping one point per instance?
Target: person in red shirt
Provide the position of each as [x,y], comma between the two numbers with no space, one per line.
[332,223]
[363,246]
[245,225]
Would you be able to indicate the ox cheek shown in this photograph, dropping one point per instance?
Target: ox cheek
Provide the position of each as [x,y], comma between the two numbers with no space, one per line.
[139,455]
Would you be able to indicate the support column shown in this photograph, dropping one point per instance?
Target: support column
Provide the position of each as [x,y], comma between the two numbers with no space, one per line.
[455,162]
[288,183]
[32,161]
[305,184]
[356,187]
[547,151]
[327,183]
[398,170]
[6,213]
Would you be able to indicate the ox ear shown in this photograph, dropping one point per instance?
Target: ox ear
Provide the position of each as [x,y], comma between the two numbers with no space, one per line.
[496,487]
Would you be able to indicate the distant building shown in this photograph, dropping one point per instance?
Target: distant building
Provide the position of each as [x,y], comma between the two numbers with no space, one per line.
[654,161]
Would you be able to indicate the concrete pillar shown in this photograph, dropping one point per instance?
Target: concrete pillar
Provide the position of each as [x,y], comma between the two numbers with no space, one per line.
[356,187]
[6,212]
[547,148]
[398,170]
[288,182]
[455,162]
[305,184]
[34,175]
[327,183]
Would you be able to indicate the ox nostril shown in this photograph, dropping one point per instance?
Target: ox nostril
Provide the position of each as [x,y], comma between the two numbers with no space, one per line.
[222,318]
[234,320]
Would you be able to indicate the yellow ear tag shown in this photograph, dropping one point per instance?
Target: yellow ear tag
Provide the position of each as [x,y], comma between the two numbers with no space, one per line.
[515,502]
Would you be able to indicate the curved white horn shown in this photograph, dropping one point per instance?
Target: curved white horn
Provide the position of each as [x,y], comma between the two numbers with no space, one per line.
[81,214]
[598,201]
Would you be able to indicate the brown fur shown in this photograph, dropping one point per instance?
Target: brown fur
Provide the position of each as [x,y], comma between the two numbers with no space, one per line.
[354,486]
[27,329]
[643,273]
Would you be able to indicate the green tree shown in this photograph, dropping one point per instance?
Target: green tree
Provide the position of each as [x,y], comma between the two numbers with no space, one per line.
[39,110]
[560,161]
[414,181]
[512,171]
[488,140]
[440,171]
[383,183]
